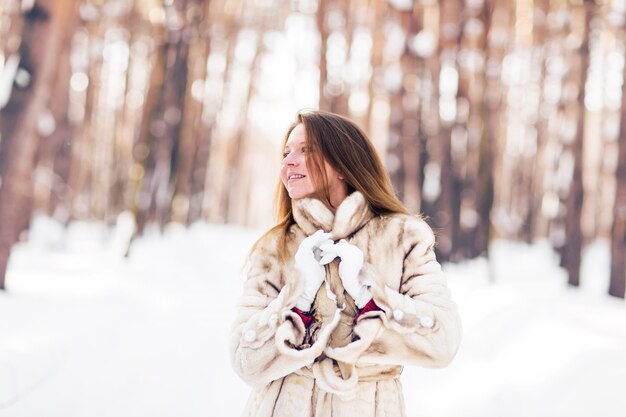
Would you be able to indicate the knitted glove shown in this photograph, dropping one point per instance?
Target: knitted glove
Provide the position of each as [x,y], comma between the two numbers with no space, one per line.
[308,263]
[349,268]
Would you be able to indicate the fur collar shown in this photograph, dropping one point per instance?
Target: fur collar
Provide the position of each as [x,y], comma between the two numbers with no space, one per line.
[353,212]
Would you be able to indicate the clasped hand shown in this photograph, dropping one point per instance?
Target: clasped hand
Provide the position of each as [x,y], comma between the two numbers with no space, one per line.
[318,250]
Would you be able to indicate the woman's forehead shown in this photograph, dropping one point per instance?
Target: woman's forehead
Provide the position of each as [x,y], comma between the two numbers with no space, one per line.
[297,136]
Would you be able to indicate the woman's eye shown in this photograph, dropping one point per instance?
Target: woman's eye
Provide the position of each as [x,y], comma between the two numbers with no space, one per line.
[306,149]
[285,154]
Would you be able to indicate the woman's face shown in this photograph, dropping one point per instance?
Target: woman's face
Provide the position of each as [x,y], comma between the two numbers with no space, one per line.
[295,175]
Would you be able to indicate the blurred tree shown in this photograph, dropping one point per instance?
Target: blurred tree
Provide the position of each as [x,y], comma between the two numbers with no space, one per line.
[164,115]
[490,45]
[617,285]
[443,204]
[336,27]
[25,116]
[575,115]
[404,138]
[469,154]
[54,152]
[547,39]
[186,204]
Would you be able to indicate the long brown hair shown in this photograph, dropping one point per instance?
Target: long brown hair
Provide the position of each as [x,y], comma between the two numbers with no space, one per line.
[340,142]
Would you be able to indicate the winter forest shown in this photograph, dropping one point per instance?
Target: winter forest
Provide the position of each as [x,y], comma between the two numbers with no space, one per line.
[139,152]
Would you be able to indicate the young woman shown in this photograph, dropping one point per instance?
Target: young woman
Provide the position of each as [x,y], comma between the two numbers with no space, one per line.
[344,290]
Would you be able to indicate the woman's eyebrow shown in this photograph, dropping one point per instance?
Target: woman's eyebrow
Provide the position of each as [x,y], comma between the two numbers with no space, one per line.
[294,143]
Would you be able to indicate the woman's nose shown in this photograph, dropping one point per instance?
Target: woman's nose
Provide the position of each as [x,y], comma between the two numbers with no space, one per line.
[291,159]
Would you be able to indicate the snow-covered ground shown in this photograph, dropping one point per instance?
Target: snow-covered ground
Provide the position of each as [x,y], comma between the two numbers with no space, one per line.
[86,333]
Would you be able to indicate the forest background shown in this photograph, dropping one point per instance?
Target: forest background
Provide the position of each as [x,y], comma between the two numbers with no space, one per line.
[496,119]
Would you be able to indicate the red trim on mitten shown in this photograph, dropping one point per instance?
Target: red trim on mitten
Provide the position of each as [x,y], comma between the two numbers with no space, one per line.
[306,317]
[370,306]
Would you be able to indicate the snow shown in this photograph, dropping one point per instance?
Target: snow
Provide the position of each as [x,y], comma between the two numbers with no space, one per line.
[86,332]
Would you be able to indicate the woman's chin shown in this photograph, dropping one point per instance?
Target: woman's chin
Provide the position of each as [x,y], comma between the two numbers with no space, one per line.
[298,194]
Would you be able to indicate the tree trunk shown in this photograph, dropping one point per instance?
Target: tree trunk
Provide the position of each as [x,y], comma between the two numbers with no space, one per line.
[333,91]
[76,196]
[43,32]
[495,21]
[191,135]
[571,251]
[617,285]
[544,38]
[375,87]
[445,210]
[430,127]
[164,124]
[409,109]
[144,143]
[54,152]
[323,31]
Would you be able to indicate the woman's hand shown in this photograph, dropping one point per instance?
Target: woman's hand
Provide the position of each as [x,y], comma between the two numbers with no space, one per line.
[349,268]
[309,266]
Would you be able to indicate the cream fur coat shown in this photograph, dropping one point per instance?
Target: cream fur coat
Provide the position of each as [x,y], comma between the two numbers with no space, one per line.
[336,367]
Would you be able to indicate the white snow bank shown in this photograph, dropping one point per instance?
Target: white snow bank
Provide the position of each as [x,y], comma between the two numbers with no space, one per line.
[88,333]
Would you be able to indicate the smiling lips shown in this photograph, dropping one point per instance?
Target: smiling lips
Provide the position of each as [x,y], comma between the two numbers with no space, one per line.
[295,177]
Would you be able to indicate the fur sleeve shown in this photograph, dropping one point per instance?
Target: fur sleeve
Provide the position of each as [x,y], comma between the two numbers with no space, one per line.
[419,323]
[267,337]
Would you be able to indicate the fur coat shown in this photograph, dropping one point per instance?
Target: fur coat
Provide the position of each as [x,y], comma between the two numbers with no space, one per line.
[336,367]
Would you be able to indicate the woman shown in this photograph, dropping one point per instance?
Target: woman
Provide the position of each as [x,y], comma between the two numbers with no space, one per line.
[344,290]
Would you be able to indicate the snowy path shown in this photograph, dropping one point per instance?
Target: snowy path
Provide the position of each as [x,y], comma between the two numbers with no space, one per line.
[84,334]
